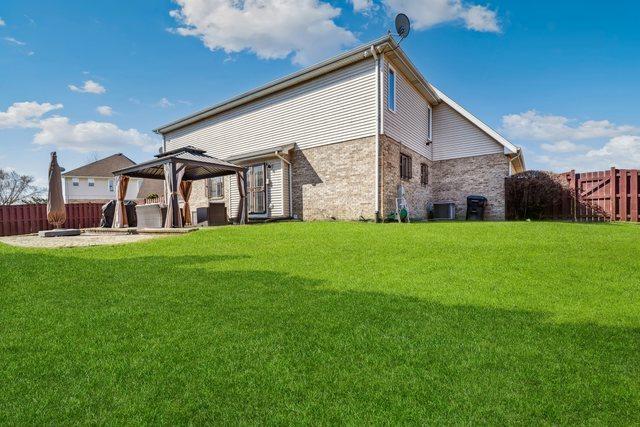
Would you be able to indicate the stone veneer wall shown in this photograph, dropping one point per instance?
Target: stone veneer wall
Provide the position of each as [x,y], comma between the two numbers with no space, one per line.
[334,181]
[417,195]
[455,179]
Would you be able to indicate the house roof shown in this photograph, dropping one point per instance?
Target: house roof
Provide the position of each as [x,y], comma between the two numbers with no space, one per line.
[150,186]
[102,168]
[197,165]
[359,53]
[384,45]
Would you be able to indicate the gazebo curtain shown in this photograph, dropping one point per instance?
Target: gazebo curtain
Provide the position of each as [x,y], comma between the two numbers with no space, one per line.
[173,173]
[185,192]
[120,214]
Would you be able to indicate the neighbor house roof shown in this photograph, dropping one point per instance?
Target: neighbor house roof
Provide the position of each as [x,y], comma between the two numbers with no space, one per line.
[102,168]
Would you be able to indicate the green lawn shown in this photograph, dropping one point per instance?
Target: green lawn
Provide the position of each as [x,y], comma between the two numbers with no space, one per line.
[328,323]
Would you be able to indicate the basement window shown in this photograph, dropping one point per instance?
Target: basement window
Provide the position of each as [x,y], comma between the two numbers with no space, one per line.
[405,166]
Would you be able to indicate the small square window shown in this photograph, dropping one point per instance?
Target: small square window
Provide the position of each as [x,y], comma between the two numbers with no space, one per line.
[405,166]
[91,182]
[424,174]
[75,182]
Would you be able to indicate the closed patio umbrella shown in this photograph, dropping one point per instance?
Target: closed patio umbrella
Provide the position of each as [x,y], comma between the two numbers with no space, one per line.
[56,212]
[120,213]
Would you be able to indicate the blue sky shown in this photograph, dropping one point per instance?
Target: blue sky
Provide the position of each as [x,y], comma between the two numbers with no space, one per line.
[559,79]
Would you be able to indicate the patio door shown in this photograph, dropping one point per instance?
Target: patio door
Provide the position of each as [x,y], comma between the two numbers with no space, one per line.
[257,189]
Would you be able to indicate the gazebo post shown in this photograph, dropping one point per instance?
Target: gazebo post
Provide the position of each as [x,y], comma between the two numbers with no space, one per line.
[174,197]
[242,191]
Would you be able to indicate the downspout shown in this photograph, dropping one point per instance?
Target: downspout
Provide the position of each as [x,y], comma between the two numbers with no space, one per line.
[377,136]
[518,155]
[277,153]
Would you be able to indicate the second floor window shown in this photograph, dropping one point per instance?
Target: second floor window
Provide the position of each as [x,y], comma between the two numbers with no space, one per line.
[110,185]
[391,95]
[75,182]
[405,166]
[216,187]
[91,182]
[429,123]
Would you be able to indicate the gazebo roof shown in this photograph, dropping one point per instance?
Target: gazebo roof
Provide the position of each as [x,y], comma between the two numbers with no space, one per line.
[197,165]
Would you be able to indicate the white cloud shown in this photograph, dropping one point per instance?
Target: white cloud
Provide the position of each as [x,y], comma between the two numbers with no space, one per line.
[425,14]
[164,103]
[561,147]
[621,151]
[14,41]
[2,23]
[105,110]
[479,18]
[90,136]
[362,5]
[89,86]
[272,29]
[25,114]
[58,131]
[534,126]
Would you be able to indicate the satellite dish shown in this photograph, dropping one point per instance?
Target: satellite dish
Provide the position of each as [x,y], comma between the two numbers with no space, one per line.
[403,25]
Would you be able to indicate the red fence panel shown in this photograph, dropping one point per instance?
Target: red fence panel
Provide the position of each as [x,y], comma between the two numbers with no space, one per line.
[25,219]
[612,195]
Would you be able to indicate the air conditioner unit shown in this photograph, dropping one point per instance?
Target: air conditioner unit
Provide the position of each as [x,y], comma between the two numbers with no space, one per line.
[444,211]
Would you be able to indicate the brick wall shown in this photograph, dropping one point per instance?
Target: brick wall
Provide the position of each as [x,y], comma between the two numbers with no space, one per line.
[416,194]
[335,181]
[455,179]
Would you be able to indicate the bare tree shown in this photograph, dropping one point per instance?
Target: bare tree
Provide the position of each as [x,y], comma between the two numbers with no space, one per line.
[16,188]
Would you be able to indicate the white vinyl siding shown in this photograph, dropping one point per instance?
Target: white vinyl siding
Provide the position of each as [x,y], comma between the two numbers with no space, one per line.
[409,124]
[455,136]
[336,107]
[275,190]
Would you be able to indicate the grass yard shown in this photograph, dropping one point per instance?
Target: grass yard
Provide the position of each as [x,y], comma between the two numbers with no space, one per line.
[328,323]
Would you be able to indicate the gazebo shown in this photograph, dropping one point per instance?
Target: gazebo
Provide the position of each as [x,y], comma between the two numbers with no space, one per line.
[178,168]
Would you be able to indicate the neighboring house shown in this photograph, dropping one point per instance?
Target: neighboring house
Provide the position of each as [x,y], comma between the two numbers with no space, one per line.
[95,182]
[335,140]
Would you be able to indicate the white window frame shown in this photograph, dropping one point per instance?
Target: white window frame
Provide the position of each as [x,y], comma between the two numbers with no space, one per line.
[75,182]
[91,182]
[111,186]
[213,185]
[393,95]
[429,123]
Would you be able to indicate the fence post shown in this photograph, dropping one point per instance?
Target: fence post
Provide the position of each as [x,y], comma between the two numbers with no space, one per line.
[634,195]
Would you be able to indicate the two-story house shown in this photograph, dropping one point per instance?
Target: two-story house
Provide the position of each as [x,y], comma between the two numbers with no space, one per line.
[336,139]
[94,182]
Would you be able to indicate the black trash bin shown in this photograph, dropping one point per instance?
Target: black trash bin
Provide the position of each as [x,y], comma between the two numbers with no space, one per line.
[475,208]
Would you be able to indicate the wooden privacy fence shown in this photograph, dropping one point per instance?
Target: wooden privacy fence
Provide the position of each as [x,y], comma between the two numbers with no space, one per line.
[611,195]
[25,219]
